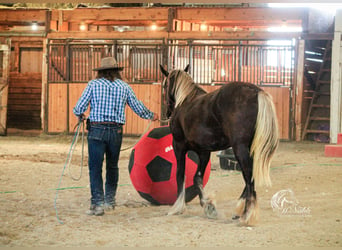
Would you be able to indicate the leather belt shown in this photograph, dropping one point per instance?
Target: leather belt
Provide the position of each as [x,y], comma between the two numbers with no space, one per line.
[106,123]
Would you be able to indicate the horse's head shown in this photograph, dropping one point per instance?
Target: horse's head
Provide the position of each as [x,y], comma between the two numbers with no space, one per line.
[168,86]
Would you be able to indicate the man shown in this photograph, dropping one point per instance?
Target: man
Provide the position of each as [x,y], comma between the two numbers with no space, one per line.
[107,95]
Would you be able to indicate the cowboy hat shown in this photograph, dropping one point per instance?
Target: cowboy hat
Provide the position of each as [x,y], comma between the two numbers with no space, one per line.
[108,63]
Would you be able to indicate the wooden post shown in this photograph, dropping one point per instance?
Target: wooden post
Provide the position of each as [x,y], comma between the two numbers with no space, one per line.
[4,81]
[171,17]
[43,115]
[299,90]
[336,80]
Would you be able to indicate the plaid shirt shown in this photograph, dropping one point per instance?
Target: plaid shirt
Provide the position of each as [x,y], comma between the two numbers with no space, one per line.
[108,101]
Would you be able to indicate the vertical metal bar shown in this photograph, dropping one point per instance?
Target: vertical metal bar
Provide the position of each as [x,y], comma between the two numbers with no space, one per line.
[90,63]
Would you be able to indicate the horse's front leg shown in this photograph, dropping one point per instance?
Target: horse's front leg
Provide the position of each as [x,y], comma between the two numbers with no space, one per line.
[179,206]
[206,203]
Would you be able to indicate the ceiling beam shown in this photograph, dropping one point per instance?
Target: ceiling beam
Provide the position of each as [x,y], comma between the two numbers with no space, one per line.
[22,16]
[238,14]
[113,14]
[194,35]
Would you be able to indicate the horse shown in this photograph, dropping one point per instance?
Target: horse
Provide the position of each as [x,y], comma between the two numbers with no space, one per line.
[238,115]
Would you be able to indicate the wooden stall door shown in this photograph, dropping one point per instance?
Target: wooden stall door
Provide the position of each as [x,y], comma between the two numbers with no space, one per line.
[281,100]
[25,92]
[4,70]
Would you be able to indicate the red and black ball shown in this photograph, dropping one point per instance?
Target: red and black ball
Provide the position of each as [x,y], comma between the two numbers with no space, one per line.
[153,166]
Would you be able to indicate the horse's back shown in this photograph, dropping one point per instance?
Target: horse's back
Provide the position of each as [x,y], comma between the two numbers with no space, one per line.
[241,89]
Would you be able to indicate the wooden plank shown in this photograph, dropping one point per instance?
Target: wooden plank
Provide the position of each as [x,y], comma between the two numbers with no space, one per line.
[149,94]
[23,106]
[233,35]
[336,88]
[26,76]
[44,87]
[108,35]
[281,99]
[31,60]
[336,81]
[22,15]
[197,35]
[22,83]
[75,92]
[128,13]
[4,73]
[24,90]
[299,93]
[210,14]
[24,101]
[57,108]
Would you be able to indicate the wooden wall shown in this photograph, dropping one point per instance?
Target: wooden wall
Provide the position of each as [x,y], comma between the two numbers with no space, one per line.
[24,101]
[281,99]
[63,97]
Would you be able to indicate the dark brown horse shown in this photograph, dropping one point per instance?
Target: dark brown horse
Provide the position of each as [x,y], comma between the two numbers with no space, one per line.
[238,115]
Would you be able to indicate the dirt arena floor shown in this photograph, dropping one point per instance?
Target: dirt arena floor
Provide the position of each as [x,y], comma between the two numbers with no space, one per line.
[31,168]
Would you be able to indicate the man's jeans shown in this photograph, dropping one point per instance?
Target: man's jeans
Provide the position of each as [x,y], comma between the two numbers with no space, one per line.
[104,140]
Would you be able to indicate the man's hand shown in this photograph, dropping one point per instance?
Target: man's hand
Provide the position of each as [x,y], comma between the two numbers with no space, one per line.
[155,117]
[81,118]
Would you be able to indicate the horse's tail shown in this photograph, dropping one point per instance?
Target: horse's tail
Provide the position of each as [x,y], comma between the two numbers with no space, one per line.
[265,140]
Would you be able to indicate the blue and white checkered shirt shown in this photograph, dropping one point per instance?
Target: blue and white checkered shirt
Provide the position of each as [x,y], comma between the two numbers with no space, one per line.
[108,101]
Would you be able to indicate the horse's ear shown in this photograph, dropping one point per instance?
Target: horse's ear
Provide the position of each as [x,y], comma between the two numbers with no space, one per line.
[164,71]
[187,68]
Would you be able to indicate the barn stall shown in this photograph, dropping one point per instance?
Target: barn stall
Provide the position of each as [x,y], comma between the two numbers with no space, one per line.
[212,64]
[220,44]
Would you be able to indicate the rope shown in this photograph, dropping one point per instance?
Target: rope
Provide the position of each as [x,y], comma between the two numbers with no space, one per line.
[67,162]
[73,146]
[131,146]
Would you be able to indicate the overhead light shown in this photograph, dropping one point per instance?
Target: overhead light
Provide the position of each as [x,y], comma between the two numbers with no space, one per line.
[154,26]
[83,26]
[204,27]
[34,26]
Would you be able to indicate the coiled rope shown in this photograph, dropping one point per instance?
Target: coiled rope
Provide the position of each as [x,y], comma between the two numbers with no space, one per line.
[68,160]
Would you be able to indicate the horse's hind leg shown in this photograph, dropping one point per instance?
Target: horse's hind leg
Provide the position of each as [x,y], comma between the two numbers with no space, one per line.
[247,208]
[179,206]
[206,203]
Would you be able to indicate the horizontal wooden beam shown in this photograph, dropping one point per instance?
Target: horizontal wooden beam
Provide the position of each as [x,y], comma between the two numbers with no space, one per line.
[153,14]
[21,16]
[194,35]
[107,35]
[238,14]
[222,35]
[103,14]
[318,36]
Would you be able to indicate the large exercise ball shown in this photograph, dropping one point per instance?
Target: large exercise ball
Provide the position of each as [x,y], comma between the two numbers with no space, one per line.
[153,166]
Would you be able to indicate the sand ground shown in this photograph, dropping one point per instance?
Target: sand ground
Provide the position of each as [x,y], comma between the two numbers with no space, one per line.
[31,167]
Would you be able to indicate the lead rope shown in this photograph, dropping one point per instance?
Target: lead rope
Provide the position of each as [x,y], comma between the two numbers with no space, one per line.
[73,146]
[147,128]
[67,162]
[131,146]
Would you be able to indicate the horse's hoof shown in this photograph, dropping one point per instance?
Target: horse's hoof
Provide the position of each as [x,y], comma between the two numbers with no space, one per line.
[176,211]
[235,217]
[210,210]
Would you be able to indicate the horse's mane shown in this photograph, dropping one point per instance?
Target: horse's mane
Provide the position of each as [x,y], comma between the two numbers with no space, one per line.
[183,86]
